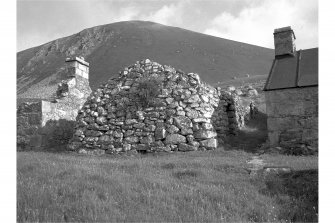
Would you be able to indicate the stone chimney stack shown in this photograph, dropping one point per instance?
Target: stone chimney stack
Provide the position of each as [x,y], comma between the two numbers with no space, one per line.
[77,66]
[284,41]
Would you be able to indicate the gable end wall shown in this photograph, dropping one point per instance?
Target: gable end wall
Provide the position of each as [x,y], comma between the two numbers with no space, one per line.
[292,116]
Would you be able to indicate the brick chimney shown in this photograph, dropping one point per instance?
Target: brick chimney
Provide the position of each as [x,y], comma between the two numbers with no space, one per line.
[77,66]
[284,41]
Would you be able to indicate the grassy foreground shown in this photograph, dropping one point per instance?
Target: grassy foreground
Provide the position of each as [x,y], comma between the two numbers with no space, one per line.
[212,186]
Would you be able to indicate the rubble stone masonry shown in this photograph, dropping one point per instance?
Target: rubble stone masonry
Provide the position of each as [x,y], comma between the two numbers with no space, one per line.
[292,116]
[185,115]
[115,119]
[46,124]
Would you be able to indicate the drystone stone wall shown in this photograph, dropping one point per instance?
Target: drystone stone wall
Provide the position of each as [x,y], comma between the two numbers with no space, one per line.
[46,124]
[29,117]
[292,117]
[229,116]
[147,107]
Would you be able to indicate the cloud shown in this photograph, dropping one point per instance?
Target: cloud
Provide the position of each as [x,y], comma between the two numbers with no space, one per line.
[99,13]
[108,12]
[255,24]
[128,13]
[168,14]
[66,18]
[250,21]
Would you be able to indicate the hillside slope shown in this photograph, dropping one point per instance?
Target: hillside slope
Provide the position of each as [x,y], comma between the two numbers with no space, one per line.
[109,48]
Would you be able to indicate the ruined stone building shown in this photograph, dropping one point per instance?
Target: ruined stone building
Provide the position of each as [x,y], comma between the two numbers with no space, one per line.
[120,116]
[48,123]
[147,107]
[291,93]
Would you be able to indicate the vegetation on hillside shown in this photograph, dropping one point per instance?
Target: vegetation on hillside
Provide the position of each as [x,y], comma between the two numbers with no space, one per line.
[109,48]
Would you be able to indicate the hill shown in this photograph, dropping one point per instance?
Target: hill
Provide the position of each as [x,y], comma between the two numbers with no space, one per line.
[109,48]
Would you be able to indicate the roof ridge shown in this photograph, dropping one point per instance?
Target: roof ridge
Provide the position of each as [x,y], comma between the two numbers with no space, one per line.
[294,72]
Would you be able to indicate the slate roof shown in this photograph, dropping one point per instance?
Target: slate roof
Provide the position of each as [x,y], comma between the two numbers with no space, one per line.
[288,71]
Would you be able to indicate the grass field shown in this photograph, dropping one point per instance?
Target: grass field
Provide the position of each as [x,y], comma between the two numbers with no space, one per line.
[211,186]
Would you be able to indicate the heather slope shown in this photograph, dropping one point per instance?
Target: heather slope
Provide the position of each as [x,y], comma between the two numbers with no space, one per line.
[109,48]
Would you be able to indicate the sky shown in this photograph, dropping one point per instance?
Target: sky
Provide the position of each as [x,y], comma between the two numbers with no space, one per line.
[248,21]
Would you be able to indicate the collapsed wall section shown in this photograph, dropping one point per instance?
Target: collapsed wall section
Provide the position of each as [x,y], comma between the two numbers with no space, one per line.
[229,116]
[148,107]
[46,124]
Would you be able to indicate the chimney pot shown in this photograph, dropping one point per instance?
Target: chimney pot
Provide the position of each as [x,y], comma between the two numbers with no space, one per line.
[284,40]
[77,66]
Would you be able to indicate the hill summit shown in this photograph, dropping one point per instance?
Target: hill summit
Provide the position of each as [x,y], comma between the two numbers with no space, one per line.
[109,48]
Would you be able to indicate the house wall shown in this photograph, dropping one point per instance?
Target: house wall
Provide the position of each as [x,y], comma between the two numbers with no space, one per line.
[43,125]
[47,124]
[292,116]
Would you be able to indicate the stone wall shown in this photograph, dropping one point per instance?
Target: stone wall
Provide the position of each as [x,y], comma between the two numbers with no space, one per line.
[117,116]
[185,115]
[292,117]
[229,116]
[29,116]
[70,97]
[32,133]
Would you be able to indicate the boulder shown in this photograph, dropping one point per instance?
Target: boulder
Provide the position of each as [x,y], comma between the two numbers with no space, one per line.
[79,132]
[192,114]
[252,92]
[172,129]
[142,147]
[160,133]
[186,131]
[183,122]
[231,88]
[175,139]
[147,140]
[104,139]
[132,139]
[126,147]
[238,92]
[193,99]
[93,133]
[202,120]
[101,120]
[209,143]
[185,147]
[204,134]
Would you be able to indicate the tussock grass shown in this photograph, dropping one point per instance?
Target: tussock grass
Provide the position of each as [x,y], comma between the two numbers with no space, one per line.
[211,186]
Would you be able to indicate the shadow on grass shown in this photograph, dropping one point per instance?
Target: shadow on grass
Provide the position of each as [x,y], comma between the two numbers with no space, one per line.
[251,136]
[52,137]
[186,174]
[296,193]
[168,166]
